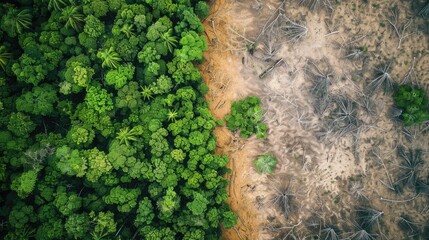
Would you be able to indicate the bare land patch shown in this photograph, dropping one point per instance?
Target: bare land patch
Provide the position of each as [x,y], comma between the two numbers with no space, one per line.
[320,74]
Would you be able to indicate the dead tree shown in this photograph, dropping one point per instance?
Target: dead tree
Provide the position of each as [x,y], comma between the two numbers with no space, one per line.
[400,29]
[383,80]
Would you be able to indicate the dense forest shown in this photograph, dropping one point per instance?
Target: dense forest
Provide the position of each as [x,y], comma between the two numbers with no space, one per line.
[104,129]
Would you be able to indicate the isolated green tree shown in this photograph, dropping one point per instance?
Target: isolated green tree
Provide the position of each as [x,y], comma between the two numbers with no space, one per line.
[414,104]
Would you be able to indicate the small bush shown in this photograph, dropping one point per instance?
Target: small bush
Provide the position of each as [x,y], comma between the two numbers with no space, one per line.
[246,115]
[265,164]
[413,103]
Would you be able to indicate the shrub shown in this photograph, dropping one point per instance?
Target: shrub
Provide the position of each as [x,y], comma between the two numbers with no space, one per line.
[246,115]
[265,164]
[413,102]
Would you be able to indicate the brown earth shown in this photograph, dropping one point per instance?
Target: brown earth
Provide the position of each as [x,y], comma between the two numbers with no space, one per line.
[322,171]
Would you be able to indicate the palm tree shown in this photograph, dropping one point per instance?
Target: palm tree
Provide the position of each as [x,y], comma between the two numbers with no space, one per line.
[71,16]
[171,115]
[410,165]
[127,29]
[282,197]
[125,135]
[382,81]
[367,217]
[56,4]
[169,40]
[146,92]
[4,57]
[109,57]
[425,10]
[16,21]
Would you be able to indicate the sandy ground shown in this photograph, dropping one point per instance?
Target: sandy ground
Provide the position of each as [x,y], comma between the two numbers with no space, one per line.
[321,171]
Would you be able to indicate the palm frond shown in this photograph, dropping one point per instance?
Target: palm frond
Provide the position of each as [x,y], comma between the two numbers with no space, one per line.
[410,228]
[72,17]
[382,81]
[56,4]
[425,10]
[5,56]
[411,160]
[366,217]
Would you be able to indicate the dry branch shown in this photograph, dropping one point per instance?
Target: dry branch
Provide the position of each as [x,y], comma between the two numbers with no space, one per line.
[400,30]
[268,70]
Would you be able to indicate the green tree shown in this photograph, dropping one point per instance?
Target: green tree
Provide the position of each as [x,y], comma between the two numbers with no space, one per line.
[109,58]
[24,184]
[70,161]
[168,203]
[93,26]
[414,104]
[67,202]
[129,96]
[98,164]
[265,164]
[71,16]
[56,4]
[104,224]
[199,205]
[145,214]
[193,46]
[119,77]
[99,99]
[246,115]
[77,225]
[39,101]
[20,124]
[124,199]
[15,21]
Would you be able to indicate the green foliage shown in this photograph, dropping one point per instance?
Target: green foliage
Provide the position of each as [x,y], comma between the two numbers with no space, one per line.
[104,224]
[125,135]
[105,130]
[414,104]
[265,164]
[72,17]
[98,164]
[93,27]
[199,205]
[66,202]
[29,70]
[193,46]
[129,96]
[202,9]
[39,101]
[15,21]
[24,184]
[119,77]
[109,58]
[99,99]
[125,199]
[20,124]
[70,161]
[5,56]
[246,115]
[77,225]
[56,4]
[145,214]
[81,135]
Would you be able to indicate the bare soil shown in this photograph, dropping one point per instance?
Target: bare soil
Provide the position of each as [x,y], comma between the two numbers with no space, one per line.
[324,172]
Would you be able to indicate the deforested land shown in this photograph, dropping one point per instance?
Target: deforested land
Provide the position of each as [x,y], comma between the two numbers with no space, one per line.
[351,164]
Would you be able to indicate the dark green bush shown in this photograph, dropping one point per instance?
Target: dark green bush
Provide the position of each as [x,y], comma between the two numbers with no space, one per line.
[246,115]
[413,102]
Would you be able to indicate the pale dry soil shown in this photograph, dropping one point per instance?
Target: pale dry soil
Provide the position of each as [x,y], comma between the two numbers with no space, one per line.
[319,169]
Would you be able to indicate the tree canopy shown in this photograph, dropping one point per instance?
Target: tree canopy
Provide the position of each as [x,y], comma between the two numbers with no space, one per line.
[104,129]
